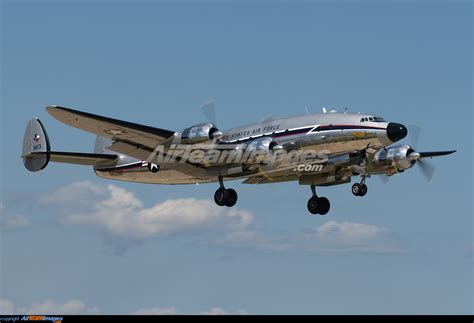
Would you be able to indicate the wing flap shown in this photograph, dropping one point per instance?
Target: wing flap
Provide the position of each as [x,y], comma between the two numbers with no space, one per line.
[111,128]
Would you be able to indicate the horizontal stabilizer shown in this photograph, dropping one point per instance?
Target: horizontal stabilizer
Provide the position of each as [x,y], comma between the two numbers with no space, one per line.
[78,158]
[431,154]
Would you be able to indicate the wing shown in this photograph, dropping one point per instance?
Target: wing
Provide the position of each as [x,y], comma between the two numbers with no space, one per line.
[130,138]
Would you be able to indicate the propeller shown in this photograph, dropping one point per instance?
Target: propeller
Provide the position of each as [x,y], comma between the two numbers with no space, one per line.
[414,133]
[209,109]
[426,168]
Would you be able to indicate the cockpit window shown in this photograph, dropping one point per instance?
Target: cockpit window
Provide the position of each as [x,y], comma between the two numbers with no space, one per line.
[372,119]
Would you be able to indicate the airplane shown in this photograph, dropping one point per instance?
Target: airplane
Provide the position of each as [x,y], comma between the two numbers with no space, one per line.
[317,150]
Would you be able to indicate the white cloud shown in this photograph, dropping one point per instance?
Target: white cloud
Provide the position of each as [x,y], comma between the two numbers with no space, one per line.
[156,311]
[174,311]
[48,307]
[330,236]
[68,308]
[120,213]
[346,231]
[11,221]
[349,236]
[77,307]
[220,311]
[215,311]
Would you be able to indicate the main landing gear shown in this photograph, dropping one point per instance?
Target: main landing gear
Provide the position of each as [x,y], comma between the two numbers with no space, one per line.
[318,205]
[225,197]
[359,189]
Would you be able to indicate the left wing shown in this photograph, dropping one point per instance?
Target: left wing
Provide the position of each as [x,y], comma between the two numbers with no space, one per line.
[133,139]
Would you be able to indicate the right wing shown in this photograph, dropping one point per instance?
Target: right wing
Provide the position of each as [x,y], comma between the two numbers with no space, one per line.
[132,139]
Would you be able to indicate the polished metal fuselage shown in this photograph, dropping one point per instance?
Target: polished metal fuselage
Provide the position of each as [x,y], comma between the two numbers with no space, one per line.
[335,133]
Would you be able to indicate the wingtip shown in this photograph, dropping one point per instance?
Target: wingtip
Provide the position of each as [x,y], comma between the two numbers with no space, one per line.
[51,108]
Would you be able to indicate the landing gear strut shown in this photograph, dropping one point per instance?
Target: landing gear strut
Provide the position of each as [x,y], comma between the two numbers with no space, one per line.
[360,189]
[318,205]
[223,196]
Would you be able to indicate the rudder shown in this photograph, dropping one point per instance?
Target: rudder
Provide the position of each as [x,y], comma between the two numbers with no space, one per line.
[35,140]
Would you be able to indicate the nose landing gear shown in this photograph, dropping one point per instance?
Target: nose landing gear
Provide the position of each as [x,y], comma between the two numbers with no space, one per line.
[318,205]
[225,197]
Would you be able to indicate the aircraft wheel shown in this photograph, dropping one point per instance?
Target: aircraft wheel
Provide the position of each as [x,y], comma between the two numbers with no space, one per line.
[313,205]
[221,196]
[363,190]
[356,189]
[324,205]
[232,199]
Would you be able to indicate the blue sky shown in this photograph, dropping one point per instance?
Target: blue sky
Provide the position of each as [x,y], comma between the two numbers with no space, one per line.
[405,248]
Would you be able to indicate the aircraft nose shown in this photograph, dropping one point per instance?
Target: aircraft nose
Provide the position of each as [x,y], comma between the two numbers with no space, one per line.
[396,131]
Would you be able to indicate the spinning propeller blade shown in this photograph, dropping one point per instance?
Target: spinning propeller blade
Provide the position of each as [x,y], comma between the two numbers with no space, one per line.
[426,168]
[209,110]
[414,133]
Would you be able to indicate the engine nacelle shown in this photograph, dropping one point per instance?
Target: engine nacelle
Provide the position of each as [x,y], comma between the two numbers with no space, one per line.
[200,133]
[402,157]
[260,151]
[263,144]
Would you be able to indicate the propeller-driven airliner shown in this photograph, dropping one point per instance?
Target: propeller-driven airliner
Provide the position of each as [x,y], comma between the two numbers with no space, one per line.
[317,150]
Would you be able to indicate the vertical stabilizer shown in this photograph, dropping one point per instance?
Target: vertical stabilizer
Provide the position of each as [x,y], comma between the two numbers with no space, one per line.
[35,141]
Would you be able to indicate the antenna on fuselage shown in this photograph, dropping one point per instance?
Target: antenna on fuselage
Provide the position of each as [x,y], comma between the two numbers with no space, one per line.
[306,109]
[324,110]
